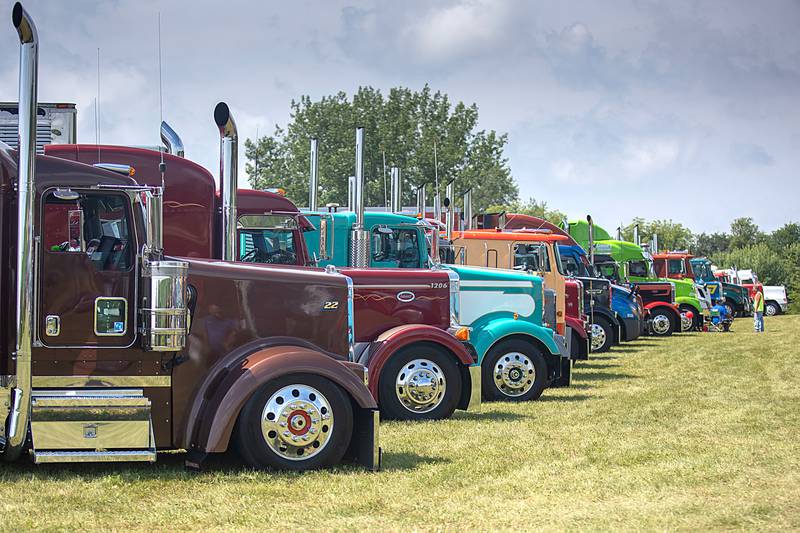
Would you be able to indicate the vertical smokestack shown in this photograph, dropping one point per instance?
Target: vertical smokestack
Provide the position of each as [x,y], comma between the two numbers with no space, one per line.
[450,192]
[636,240]
[654,244]
[172,142]
[228,179]
[437,206]
[468,209]
[351,188]
[17,425]
[396,196]
[359,250]
[619,233]
[313,178]
[591,239]
[422,200]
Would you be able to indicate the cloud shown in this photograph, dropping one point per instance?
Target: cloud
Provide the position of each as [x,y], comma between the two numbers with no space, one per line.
[751,155]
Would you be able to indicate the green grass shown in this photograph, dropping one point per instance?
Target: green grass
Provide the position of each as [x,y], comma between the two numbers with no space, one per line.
[699,431]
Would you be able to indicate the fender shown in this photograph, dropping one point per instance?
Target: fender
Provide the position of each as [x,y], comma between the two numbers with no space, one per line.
[690,301]
[606,313]
[675,311]
[221,397]
[577,326]
[484,337]
[394,339]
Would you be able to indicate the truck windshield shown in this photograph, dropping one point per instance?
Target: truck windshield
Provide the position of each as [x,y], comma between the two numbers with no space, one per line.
[676,266]
[395,247]
[531,257]
[268,239]
[573,266]
[702,270]
[638,269]
[608,270]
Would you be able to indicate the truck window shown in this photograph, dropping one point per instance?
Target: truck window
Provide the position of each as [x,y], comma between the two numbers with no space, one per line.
[268,239]
[531,257]
[638,268]
[571,267]
[676,266]
[395,248]
[94,224]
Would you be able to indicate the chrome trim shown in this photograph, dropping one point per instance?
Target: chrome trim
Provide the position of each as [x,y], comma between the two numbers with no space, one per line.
[75,382]
[475,376]
[148,456]
[171,140]
[455,298]
[396,195]
[450,191]
[351,323]
[28,73]
[228,179]
[359,237]
[468,209]
[421,200]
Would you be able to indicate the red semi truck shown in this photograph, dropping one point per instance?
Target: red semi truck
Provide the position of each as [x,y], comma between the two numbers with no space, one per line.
[111,350]
[405,319]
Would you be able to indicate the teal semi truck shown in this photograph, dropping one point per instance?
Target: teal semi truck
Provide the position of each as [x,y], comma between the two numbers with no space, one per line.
[637,265]
[736,297]
[512,320]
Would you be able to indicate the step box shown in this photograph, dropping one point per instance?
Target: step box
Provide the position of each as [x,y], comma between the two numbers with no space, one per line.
[91,420]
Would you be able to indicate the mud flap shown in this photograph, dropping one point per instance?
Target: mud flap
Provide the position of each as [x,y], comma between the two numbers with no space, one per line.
[365,447]
[565,379]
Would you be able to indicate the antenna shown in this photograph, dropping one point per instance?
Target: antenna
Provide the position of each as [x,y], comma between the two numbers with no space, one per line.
[97,109]
[162,167]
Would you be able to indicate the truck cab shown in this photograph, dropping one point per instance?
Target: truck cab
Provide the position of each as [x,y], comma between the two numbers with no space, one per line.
[679,265]
[736,297]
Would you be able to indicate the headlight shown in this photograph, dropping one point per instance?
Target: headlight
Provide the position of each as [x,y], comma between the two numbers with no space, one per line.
[455,299]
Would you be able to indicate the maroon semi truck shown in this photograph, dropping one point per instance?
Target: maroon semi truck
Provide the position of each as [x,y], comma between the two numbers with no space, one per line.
[405,319]
[112,350]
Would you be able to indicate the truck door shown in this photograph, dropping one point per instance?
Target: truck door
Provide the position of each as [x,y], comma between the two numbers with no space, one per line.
[87,269]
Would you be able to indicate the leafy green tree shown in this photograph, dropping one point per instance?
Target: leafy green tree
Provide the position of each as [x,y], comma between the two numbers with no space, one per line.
[671,235]
[531,207]
[708,244]
[784,236]
[401,129]
[745,232]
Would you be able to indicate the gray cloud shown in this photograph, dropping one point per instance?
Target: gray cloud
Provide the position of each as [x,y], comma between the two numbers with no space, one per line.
[620,109]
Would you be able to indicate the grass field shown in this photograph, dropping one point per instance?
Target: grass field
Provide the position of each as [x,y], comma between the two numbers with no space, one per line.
[699,431]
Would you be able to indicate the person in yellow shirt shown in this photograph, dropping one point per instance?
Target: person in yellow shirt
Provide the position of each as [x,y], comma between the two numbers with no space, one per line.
[758,314]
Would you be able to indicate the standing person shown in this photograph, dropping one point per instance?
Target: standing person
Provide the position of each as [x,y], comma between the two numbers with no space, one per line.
[758,314]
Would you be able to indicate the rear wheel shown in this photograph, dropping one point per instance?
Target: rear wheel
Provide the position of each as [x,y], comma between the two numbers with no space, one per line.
[771,309]
[602,335]
[420,382]
[694,323]
[295,422]
[662,322]
[514,370]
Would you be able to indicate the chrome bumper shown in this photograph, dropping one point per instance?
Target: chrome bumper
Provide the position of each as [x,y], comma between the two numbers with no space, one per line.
[474,404]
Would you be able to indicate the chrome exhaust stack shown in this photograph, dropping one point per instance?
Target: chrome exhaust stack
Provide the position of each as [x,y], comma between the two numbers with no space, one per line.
[359,250]
[591,239]
[422,200]
[16,428]
[467,209]
[313,176]
[636,239]
[396,194]
[172,142]
[654,244]
[450,192]
[437,206]
[228,179]
[351,187]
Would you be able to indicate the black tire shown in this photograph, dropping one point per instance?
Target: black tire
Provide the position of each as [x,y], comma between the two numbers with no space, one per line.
[251,442]
[772,309]
[608,333]
[506,350]
[696,317]
[398,367]
[670,317]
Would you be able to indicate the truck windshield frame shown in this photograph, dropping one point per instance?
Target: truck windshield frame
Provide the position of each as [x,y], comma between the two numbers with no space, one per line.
[267,239]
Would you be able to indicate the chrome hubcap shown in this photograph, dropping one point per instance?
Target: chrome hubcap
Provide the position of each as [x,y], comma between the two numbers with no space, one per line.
[661,324]
[297,422]
[598,337]
[420,386]
[514,374]
[769,310]
[686,322]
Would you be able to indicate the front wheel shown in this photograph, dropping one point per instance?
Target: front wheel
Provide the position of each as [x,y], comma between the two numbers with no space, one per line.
[420,382]
[771,309]
[731,309]
[662,322]
[295,422]
[514,370]
[602,335]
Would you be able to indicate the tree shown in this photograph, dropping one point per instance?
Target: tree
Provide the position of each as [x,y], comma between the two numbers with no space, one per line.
[671,235]
[531,207]
[745,232]
[709,244]
[785,236]
[401,129]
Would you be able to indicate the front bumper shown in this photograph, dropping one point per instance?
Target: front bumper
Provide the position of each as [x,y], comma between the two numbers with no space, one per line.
[784,306]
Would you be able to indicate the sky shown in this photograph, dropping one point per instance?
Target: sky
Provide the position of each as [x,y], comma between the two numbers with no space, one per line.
[671,110]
